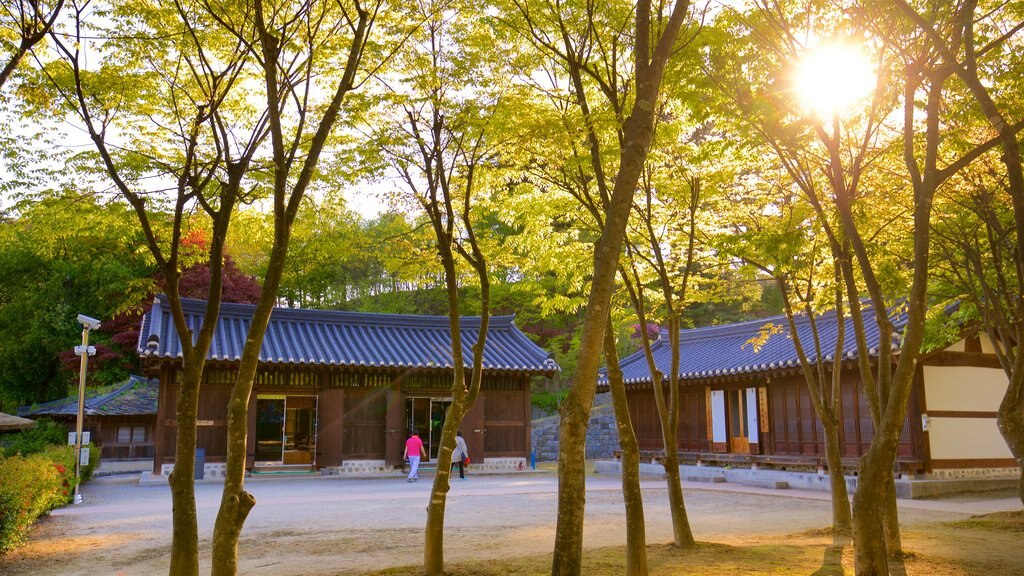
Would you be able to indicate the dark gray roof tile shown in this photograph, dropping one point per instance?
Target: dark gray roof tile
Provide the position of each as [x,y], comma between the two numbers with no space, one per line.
[725,350]
[136,396]
[327,337]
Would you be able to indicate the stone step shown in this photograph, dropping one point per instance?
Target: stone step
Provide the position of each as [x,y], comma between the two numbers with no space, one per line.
[769,484]
[711,479]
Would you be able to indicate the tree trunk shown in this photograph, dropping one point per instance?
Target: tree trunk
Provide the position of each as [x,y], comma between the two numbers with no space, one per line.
[185,531]
[433,548]
[235,502]
[637,133]
[636,533]
[572,439]
[682,535]
[1010,419]
[842,525]
[869,503]
[891,521]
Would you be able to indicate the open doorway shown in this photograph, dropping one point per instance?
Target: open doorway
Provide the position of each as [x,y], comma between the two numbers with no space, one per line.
[426,415]
[285,430]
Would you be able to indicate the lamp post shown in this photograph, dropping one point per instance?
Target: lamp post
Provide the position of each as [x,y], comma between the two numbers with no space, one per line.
[84,351]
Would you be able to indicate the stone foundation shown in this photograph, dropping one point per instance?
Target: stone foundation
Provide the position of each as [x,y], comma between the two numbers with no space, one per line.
[973,473]
[358,468]
[916,486]
[500,465]
[211,470]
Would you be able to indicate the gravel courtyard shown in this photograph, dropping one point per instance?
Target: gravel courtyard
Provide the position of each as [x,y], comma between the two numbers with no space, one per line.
[341,526]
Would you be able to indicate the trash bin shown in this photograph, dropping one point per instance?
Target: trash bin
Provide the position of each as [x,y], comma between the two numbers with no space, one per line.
[200,463]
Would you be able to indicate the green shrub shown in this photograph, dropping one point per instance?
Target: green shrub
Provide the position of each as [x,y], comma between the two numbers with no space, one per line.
[31,486]
[548,402]
[94,463]
[44,434]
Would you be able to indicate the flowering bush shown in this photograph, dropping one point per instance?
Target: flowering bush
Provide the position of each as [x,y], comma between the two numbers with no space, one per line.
[31,486]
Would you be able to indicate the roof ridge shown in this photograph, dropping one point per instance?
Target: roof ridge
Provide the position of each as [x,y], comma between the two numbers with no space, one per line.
[196,305]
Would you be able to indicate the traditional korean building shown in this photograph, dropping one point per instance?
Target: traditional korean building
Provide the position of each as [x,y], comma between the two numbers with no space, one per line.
[341,390]
[121,420]
[747,405]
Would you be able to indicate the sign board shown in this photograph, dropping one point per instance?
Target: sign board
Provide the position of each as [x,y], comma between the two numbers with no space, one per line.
[72,437]
[83,456]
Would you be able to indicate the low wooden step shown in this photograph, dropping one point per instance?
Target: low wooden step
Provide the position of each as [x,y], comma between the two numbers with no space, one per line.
[283,469]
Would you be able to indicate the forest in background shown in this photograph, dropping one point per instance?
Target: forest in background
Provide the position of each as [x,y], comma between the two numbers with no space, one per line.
[66,253]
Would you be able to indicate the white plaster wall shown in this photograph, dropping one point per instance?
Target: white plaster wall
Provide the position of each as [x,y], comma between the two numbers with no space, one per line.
[718,416]
[959,438]
[986,344]
[752,414]
[964,388]
[958,347]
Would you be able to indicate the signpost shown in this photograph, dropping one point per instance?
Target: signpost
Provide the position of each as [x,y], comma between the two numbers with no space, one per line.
[80,439]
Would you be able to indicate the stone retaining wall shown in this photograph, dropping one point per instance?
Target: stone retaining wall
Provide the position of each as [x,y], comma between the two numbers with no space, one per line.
[602,434]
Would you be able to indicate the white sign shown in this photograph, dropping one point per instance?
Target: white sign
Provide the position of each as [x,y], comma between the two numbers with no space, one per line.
[85,438]
[83,456]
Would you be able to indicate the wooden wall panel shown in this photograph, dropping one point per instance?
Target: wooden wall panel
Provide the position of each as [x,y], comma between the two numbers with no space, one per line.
[365,422]
[330,420]
[504,423]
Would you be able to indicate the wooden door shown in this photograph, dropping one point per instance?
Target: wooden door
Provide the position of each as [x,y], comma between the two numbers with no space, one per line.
[736,407]
[394,428]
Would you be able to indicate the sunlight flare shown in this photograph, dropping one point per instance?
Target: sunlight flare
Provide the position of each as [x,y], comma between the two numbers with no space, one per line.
[833,78]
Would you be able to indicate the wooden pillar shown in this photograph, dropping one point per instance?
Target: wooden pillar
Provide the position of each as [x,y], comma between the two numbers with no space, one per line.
[527,420]
[394,426]
[250,431]
[165,410]
[473,428]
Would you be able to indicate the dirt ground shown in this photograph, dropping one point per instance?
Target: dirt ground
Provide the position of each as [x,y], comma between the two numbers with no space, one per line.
[346,526]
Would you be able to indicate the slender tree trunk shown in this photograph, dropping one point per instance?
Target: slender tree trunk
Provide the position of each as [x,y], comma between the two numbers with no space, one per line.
[572,437]
[568,555]
[185,524]
[841,521]
[636,534]
[637,132]
[891,521]
[433,548]
[869,503]
[1010,419]
[235,502]
[682,535]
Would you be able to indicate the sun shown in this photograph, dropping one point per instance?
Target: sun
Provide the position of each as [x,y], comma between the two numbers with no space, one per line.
[833,79]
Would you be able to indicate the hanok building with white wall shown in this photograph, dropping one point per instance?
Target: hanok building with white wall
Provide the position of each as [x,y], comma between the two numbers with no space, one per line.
[749,407]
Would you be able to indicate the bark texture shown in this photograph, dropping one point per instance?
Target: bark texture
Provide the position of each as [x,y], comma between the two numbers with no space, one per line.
[638,131]
[636,533]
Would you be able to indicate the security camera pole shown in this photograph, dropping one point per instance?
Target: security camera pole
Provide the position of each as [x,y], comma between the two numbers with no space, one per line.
[84,351]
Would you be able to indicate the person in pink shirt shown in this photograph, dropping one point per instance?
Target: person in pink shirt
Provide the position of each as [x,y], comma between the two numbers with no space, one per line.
[413,450]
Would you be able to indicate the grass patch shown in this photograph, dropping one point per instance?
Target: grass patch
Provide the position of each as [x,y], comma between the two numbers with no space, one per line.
[708,559]
[998,521]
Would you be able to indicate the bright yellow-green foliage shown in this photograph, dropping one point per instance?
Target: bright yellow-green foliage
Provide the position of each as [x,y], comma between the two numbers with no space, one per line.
[31,486]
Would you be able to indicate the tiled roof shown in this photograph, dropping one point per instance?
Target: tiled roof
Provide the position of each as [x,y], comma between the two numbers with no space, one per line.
[136,396]
[10,422]
[727,350]
[327,337]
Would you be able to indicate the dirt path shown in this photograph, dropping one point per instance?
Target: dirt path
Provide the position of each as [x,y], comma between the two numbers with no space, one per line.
[334,526]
